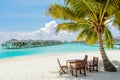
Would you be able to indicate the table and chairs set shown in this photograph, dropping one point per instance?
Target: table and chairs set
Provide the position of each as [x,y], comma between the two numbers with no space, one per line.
[82,65]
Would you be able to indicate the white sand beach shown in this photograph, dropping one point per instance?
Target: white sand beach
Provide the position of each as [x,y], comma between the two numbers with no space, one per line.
[45,67]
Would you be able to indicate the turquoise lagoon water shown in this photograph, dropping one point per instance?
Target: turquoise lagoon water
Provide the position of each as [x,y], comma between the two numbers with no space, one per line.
[57,49]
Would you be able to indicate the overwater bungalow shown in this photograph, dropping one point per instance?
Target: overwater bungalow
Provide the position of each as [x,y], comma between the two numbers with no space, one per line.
[16,44]
[9,44]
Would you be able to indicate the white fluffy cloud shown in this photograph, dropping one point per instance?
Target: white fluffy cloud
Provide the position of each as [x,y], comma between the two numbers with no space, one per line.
[45,33]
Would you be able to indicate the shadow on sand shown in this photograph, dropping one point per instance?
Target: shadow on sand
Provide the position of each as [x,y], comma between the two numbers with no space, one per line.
[100,75]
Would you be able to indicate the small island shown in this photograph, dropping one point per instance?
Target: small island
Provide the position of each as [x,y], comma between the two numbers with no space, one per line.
[18,44]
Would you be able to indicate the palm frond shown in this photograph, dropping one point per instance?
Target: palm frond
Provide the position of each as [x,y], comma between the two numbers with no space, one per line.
[88,35]
[107,37]
[89,17]
[71,26]
[91,38]
[116,21]
[78,6]
[82,35]
[60,12]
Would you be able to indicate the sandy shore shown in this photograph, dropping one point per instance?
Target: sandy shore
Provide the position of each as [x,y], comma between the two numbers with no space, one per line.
[45,67]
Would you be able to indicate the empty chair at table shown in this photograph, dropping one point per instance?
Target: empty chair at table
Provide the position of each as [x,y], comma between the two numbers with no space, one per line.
[63,68]
[86,62]
[79,66]
[93,66]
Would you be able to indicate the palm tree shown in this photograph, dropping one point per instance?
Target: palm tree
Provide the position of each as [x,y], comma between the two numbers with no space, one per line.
[90,19]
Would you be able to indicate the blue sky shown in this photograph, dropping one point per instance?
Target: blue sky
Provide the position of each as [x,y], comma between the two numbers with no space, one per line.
[26,19]
[24,15]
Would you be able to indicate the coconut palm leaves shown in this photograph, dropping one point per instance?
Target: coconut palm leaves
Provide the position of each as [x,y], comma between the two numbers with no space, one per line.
[116,21]
[88,35]
[60,12]
[108,39]
[65,13]
[89,18]
[71,26]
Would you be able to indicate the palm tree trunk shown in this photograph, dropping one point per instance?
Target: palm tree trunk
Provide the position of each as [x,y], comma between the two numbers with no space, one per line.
[108,66]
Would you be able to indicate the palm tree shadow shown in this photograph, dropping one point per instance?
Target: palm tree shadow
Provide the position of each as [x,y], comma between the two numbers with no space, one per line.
[101,68]
[117,64]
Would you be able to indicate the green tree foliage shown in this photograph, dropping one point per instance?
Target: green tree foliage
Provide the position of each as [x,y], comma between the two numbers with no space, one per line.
[89,18]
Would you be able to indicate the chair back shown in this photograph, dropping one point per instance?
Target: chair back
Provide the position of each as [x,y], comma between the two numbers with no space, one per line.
[80,64]
[95,60]
[59,62]
[85,59]
[62,68]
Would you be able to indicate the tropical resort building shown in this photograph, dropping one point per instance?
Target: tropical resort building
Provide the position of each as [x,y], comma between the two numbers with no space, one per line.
[16,44]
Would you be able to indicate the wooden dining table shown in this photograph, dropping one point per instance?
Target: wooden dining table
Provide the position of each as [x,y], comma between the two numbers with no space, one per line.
[71,62]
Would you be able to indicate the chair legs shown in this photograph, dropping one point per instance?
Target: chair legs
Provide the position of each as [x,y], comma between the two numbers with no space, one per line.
[71,71]
[76,73]
[81,71]
[62,70]
[97,68]
[93,68]
[89,69]
[84,72]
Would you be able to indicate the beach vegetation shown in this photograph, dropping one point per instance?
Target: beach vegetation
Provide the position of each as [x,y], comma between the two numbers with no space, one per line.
[90,18]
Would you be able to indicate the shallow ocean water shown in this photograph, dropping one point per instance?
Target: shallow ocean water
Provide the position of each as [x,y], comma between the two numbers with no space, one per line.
[62,48]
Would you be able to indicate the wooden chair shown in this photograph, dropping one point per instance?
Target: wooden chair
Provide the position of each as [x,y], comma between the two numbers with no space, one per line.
[86,62]
[94,65]
[63,68]
[79,65]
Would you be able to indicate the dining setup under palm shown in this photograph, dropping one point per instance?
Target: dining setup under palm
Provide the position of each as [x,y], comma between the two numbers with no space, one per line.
[73,66]
[90,18]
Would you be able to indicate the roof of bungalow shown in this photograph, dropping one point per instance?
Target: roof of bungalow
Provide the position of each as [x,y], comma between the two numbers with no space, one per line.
[11,40]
